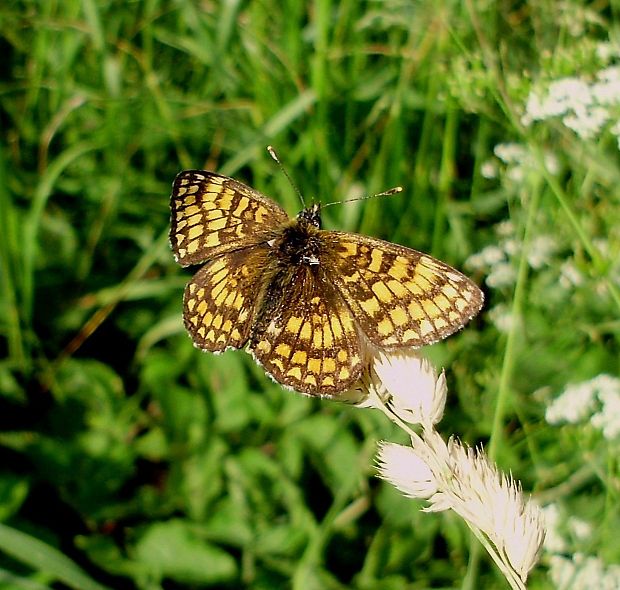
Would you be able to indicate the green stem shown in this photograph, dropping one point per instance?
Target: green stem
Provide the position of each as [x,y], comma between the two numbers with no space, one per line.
[516,311]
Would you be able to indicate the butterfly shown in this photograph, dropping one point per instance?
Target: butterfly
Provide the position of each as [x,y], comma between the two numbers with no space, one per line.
[305,302]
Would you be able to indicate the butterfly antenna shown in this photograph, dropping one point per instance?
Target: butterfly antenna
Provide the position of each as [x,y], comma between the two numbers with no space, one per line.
[273,154]
[392,191]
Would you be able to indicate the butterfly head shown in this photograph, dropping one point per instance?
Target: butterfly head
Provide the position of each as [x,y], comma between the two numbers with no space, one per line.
[311,215]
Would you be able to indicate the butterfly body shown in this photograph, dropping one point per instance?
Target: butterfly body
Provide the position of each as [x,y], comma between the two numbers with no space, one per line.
[305,302]
[300,241]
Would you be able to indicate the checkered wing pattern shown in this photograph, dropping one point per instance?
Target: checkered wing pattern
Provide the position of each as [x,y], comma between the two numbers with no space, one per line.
[305,336]
[220,302]
[399,297]
[212,214]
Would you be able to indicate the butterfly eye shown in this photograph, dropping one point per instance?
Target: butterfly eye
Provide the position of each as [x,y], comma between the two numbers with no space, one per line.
[311,216]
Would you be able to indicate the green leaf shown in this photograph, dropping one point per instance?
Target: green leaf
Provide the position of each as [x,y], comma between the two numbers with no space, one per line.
[13,491]
[173,550]
[42,557]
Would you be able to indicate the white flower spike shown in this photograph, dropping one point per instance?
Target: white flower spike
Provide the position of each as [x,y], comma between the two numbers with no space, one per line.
[450,476]
[465,481]
[410,386]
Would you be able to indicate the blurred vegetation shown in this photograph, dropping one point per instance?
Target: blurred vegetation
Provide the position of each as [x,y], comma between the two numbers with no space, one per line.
[129,459]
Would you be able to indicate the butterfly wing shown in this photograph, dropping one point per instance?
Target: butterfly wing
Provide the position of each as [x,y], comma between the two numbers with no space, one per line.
[398,296]
[212,214]
[308,324]
[221,300]
[305,336]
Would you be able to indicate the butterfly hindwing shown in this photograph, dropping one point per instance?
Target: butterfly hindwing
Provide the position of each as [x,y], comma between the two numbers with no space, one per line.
[305,337]
[212,214]
[221,300]
[398,296]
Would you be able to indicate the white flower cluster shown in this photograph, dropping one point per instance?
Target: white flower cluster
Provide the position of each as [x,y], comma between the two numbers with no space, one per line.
[496,260]
[583,106]
[596,400]
[570,276]
[502,318]
[582,572]
[450,475]
[574,571]
[517,161]
[559,526]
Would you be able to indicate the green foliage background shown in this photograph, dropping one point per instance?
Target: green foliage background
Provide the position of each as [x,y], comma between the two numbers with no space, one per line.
[128,459]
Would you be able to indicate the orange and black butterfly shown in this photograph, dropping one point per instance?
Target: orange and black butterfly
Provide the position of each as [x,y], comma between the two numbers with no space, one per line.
[306,302]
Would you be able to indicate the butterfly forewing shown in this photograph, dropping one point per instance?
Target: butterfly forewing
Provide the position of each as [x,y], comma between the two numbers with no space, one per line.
[305,336]
[212,214]
[398,296]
